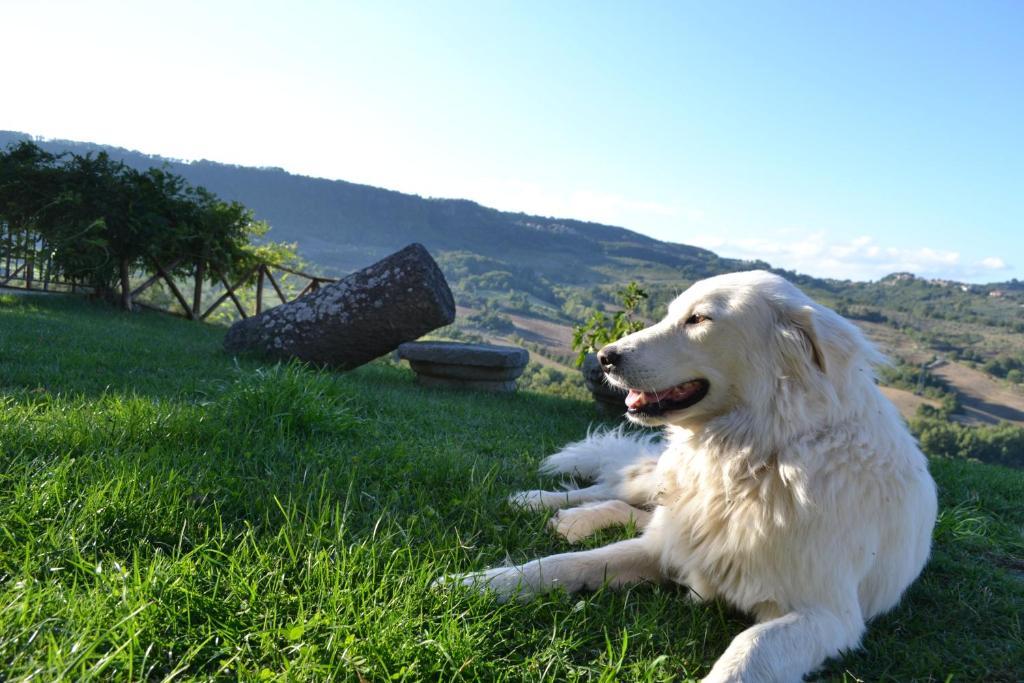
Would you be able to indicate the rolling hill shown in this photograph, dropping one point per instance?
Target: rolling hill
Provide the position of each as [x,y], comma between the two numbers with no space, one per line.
[343,226]
[528,279]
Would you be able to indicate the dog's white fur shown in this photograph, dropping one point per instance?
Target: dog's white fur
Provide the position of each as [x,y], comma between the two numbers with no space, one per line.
[793,490]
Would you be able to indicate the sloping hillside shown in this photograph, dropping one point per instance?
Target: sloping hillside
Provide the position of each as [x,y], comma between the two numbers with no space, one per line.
[342,226]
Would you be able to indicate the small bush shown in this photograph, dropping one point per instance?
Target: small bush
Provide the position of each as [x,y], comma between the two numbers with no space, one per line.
[600,330]
[1002,444]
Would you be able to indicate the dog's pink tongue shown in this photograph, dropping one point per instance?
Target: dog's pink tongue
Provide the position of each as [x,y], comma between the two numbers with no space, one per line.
[635,399]
[638,399]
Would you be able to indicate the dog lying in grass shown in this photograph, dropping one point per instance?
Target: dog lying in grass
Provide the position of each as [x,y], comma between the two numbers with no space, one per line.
[786,484]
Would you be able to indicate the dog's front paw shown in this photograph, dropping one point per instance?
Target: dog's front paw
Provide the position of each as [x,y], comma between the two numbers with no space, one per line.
[504,582]
[528,500]
[572,525]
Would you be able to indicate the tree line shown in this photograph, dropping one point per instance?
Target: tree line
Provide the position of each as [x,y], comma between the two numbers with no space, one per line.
[99,222]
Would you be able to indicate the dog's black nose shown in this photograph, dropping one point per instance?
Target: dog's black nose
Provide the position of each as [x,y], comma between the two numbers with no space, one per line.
[609,357]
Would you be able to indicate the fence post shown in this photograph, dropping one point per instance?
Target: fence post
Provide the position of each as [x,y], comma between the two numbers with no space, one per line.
[30,262]
[197,294]
[10,246]
[277,288]
[173,287]
[259,289]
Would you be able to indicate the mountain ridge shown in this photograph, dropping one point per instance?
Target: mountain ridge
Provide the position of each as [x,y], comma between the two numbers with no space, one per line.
[343,225]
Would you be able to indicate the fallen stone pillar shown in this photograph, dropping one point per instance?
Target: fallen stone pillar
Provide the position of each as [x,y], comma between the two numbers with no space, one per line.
[359,318]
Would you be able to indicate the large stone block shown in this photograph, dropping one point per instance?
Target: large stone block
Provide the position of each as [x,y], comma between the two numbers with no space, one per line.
[352,321]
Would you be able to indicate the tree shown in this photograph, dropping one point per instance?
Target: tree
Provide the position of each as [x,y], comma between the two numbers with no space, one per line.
[102,221]
[112,221]
[27,186]
[106,218]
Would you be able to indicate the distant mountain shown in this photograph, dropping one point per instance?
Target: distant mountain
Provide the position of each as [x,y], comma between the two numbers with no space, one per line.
[343,226]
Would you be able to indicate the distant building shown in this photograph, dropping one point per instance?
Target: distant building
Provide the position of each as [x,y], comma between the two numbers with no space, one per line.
[893,278]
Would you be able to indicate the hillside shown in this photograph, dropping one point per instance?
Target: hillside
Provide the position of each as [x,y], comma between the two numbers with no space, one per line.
[342,226]
[529,279]
[168,511]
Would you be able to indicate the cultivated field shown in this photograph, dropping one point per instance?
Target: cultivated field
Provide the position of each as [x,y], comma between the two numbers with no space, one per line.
[985,400]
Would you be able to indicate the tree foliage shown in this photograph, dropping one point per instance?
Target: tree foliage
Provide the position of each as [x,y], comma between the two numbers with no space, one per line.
[491,319]
[101,221]
[1001,444]
[1008,367]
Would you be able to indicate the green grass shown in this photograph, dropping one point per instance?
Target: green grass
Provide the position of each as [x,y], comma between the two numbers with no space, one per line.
[168,512]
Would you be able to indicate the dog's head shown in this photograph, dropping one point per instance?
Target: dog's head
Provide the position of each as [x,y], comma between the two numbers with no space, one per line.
[730,341]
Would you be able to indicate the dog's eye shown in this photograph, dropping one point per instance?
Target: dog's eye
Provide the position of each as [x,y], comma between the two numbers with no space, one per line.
[697,319]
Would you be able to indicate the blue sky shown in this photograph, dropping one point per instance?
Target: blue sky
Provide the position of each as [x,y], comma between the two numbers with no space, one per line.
[839,139]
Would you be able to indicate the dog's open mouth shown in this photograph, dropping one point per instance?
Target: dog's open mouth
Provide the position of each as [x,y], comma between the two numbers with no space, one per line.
[678,397]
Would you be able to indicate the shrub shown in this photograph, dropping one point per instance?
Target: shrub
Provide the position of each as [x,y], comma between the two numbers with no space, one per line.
[1001,444]
[548,380]
[599,330]
[488,318]
[916,379]
[1003,366]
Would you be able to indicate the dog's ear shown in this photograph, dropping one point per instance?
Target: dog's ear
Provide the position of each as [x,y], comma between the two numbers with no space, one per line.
[831,342]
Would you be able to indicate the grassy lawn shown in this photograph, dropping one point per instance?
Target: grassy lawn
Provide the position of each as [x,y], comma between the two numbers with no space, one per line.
[168,512]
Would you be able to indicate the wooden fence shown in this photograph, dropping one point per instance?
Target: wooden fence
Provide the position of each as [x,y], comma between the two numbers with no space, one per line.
[257,276]
[24,265]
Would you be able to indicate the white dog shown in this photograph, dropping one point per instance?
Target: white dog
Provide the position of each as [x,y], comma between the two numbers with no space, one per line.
[787,484]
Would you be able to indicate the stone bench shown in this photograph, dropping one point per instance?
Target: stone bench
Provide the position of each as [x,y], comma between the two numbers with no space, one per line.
[485,367]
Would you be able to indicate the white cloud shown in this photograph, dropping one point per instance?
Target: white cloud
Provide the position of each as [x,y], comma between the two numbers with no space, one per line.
[861,258]
[993,263]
